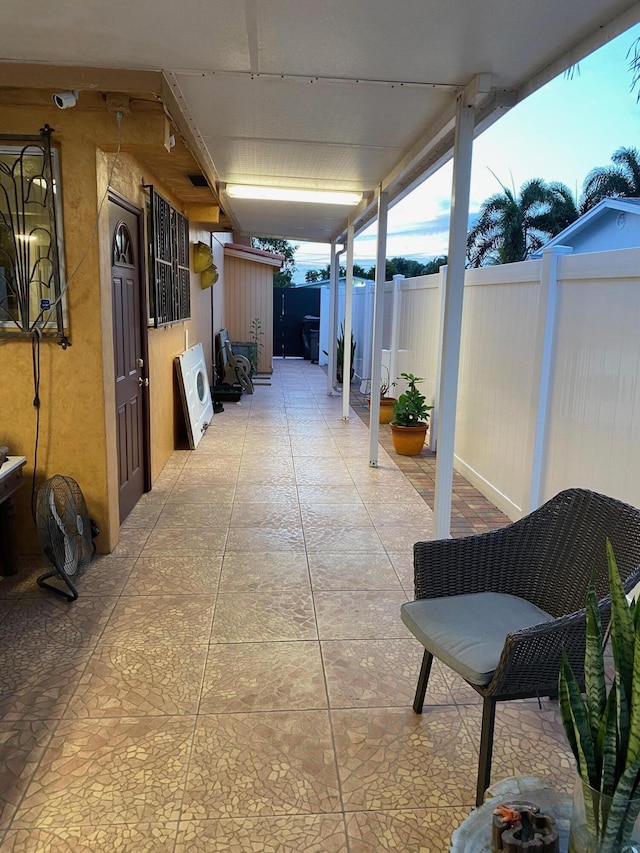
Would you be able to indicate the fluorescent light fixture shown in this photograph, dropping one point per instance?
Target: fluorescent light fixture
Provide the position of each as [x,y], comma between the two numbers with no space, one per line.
[286,194]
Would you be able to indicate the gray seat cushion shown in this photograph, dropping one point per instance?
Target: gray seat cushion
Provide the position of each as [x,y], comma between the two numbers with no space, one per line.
[467,632]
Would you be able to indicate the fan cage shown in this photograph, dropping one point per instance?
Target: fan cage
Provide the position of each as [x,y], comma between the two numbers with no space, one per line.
[64,527]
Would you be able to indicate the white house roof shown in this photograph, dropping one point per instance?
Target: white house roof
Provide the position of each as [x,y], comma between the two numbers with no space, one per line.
[601,209]
[326,95]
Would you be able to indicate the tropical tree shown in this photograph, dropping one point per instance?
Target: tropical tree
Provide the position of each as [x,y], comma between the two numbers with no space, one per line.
[283,278]
[620,180]
[510,227]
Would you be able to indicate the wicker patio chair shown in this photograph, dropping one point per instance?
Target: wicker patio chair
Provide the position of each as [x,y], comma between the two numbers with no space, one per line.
[499,607]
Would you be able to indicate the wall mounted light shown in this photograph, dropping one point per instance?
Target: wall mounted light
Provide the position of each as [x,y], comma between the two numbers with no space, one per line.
[294,195]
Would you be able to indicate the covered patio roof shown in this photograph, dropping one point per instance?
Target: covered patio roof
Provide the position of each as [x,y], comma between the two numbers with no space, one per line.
[298,94]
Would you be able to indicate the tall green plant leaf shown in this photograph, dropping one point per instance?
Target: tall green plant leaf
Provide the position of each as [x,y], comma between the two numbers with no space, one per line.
[608,742]
[618,813]
[633,751]
[594,682]
[574,705]
[622,632]
[622,714]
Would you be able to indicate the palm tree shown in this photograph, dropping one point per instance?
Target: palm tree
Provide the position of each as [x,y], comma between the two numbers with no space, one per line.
[621,180]
[511,227]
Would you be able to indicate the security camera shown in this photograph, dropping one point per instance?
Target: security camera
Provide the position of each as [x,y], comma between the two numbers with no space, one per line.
[65,100]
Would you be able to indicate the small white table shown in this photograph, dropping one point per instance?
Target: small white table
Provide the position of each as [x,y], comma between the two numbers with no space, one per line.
[10,482]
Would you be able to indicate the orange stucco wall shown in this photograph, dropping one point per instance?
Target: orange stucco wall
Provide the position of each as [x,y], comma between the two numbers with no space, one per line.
[77,429]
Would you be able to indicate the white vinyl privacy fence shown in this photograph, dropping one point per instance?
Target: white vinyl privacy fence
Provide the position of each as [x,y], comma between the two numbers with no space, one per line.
[549,389]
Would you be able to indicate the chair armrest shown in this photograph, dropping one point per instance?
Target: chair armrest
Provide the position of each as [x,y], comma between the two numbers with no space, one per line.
[498,561]
[530,660]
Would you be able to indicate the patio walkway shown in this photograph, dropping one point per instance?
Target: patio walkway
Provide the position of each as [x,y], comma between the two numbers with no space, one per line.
[235,677]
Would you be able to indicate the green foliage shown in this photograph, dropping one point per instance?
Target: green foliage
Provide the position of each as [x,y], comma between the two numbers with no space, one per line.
[604,731]
[410,409]
[620,180]
[256,334]
[511,227]
[394,266]
[340,354]
[283,278]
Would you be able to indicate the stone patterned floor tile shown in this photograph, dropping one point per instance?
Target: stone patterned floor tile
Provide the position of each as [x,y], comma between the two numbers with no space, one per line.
[403,567]
[143,516]
[393,515]
[314,477]
[148,620]
[105,577]
[23,745]
[38,685]
[288,538]
[343,516]
[186,541]
[375,673]
[286,834]
[175,575]
[401,538]
[203,516]
[360,615]
[209,495]
[527,741]
[336,538]
[259,479]
[263,677]
[320,495]
[352,571]
[247,492]
[207,477]
[110,771]
[391,758]
[120,681]
[401,493]
[131,543]
[257,514]
[246,617]
[35,623]
[123,838]
[245,571]
[416,831]
[260,765]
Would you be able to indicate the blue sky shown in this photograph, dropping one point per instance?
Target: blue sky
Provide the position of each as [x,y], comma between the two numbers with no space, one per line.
[559,134]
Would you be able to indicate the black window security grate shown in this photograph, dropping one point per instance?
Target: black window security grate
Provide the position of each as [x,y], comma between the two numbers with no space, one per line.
[32,298]
[169,246]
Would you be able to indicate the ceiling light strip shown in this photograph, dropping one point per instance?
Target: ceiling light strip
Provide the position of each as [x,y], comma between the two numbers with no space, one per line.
[263,193]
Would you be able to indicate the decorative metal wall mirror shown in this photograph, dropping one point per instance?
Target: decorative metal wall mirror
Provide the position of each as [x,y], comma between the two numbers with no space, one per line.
[31,276]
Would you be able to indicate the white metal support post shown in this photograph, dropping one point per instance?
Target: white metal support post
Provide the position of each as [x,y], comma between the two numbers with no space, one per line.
[549,301]
[376,346]
[348,312]
[393,355]
[333,319]
[452,317]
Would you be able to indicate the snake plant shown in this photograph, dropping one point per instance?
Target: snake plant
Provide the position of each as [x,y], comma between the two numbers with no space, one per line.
[604,730]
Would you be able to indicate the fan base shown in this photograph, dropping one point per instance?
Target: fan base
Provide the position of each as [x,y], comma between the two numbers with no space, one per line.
[63,576]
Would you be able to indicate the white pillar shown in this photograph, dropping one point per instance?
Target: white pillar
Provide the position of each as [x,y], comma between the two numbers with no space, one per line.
[333,318]
[433,420]
[393,346]
[376,346]
[348,309]
[450,344]
[549,301]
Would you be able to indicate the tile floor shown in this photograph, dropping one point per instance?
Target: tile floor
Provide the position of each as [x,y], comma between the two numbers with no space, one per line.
[235,676]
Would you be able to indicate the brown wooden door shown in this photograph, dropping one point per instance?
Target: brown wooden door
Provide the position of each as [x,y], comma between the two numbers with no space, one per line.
[128,348]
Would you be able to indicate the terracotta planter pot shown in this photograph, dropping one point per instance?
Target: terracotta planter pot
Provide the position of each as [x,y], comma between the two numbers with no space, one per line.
[408,441]
[386,409]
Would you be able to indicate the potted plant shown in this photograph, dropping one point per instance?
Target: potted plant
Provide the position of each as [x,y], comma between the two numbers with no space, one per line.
[386,400]
[410,418]
[340,354]
[604,731]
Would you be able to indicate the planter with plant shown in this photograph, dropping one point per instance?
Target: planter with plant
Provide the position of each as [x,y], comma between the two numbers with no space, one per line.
[340,354]
[386,401]
[604,730]
[410,418]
